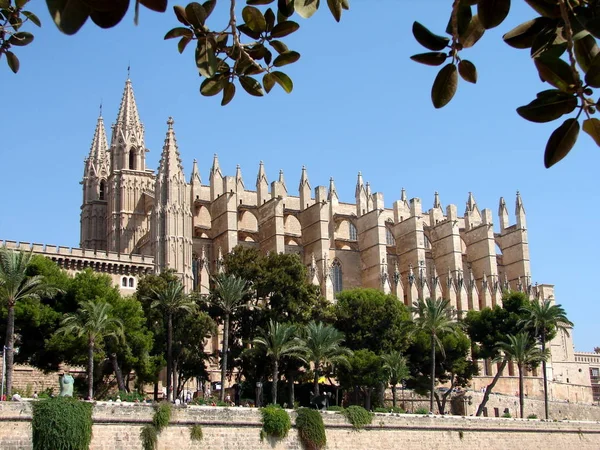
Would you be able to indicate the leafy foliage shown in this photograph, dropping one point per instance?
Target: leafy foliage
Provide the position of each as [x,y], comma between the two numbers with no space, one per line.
[365,372]
[358,416]
[276,421]
[12,18]
[311,429]
[149,437]
[196,433]
[162,416]
[61,423]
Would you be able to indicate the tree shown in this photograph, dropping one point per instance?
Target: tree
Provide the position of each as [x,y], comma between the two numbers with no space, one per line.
[170,301]
[364,372]
[373,320]
[93,321]
[490,326]
[322,345]
[17,286]
[228,295]
[279,340]
[396,366]
[545,317]
[434,317]
[521,349]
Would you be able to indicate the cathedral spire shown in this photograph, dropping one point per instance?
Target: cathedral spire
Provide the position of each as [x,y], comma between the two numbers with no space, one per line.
[170,160]
[281,178]
[304,190]
[238,177]
[262,185]
[519,208]
[332,190]
[471,203]
[128,119]
[195,177]
[215,169]
[360,185]
[304,178]
[436,201]
[98,150]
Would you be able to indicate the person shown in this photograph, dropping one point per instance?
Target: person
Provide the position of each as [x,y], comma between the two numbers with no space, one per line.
[228,399]
[35,394]
[16,397]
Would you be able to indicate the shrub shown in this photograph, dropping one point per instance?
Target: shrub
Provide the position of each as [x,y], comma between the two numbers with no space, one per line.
[162,416]
[382,410]
[276,421]
[421,411]
[397,410]
[532,416]
[506,415]
[128,396]
[335,408]
[358,416]
[311,429]
[149,437]
[196,433]
[61,423]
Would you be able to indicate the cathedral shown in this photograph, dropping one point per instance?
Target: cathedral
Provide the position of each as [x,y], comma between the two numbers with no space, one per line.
[136,221]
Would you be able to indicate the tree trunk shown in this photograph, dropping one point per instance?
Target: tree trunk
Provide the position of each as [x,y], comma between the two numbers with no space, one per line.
[291,387]
[90,370]
[488,390]
[432,372]
[275,379]
[156,391]
[393,396]
[368,392]
[10,348]
[545,375]
[521,396]
[316,392]
[175,379]
[224,356]
[169,358]
[118,373]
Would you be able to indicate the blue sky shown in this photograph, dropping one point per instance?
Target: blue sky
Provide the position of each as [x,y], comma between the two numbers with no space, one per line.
[359,104]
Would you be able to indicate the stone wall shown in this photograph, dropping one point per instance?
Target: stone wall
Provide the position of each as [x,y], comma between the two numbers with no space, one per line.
[117,427]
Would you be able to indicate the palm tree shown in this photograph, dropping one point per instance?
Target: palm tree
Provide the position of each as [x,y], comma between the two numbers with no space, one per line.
[94,321]
[279,340]
[321,346]
[170,301]
[434,317]
[395,363]
[543,317]
[16,286]
[228,294]
[521,349]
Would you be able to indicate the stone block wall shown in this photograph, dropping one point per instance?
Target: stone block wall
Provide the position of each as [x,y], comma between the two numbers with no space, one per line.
[117,427]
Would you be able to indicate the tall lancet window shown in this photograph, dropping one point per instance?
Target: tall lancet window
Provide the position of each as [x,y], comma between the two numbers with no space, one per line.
[352,232]
[336,276]
[132,159]
[102,193]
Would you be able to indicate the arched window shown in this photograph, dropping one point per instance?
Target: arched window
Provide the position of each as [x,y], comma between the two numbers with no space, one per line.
[427,242]
[132,159]
[131,282]
[389,237]
[336,275]
[352,233]
[102,189]
[124,282]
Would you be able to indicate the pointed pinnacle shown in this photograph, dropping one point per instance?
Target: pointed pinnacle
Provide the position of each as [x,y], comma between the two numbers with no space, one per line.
[403,195]
[436,201]
[359,185]
[519,204]
[195,177]
[502,211]
[261,177]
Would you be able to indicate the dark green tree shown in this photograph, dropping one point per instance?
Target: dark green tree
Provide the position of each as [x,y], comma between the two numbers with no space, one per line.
[545,318]
[364,373]
[396,367]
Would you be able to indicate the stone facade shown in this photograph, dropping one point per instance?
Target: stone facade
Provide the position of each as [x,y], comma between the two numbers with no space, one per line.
[134,221]
[118,426]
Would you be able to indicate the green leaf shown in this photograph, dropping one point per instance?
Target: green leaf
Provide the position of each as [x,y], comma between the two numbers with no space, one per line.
[556,72]
[586,50]
[21,39]
[427,39]
[283,80]
[270,19]
[283,29]
[592,127]
[20,3]
[549,42]
[561,142]
[244,28]
[68,16]
[548,106]
[346,4]
[467,71]
[492,12]
[180,14]
[205,58]
[251,86]
[254,19]
[285,8]
[4,4]
[13,61]
[155,5]
[211,86]
[179,32]
[335,6]
[430,58]
[473,33]
[545,8]
[109,16]
[259,2]
[195,14]
[592,76]
[183,42]
[268,82]
[306,8]
[522,36]
[32,18]
[209,6]
[228,93]
[444,86]
[285,58]
[268,56]
[279,46]
[464,16]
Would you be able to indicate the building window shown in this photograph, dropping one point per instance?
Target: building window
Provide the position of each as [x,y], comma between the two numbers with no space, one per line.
[131,282]
[102,189]
[124,282]
[389,237]
[427,242]
[131,159]
[595,373]
[336,276]
[352,232]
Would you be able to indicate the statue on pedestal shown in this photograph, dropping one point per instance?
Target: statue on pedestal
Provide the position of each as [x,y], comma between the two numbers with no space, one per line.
[66,385]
